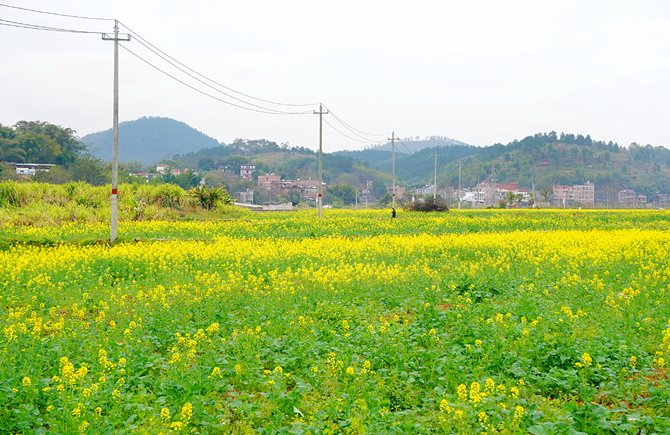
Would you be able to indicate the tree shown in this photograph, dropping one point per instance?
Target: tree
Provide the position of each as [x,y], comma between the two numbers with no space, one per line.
[186,179]
[206,164]
[135,166]
[234,163]
[518,198]
[90,170]
[510,198]
[545,192]
[10,151]
[69,146]
[345,192]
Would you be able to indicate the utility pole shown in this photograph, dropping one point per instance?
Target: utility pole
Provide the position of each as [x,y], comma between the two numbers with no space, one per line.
[113,231]
[533,190]
[393,163]
[356,199]
[435,185]
[320,113]
[459,186]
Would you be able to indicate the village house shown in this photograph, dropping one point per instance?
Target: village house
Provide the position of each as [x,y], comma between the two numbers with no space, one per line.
[246,171]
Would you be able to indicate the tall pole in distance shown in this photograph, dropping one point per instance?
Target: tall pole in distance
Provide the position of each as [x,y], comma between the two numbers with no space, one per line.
[320,197]
[435,185]
[113,230]
[459,186]
[393,163]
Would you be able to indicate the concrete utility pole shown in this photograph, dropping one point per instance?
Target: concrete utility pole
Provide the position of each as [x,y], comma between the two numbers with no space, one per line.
[393,163]
[435,185]
[459,186]
[320,113]
[113,231]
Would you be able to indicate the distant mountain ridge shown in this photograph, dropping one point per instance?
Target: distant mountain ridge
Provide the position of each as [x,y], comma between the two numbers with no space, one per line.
[413,144]
[150,140]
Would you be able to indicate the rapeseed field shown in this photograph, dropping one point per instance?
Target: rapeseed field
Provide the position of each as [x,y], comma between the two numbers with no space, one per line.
[542,322]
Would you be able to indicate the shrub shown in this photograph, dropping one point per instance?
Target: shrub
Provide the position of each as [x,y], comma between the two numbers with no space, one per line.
[429,205]
[209,197]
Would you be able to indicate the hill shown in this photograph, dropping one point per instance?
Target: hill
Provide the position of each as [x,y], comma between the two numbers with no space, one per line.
[412,144]
[543,159]
[149,140]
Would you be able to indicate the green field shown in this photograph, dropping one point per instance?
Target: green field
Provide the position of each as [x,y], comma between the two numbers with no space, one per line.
[543,322]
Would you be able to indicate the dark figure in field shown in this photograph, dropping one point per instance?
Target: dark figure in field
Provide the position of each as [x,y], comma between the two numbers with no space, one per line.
[393,213]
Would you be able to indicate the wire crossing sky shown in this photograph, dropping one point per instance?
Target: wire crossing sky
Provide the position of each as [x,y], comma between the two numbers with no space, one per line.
[480,72]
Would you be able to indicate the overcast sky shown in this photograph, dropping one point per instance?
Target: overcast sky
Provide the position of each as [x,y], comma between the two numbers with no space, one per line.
[479,71]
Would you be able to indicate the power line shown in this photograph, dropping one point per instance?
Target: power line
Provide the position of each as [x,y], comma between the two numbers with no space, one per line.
[56,14]
[146,44]
[209,95]
[406,147]
[139,38]
[349,137]
[29,26]
[212,87]
[354,130]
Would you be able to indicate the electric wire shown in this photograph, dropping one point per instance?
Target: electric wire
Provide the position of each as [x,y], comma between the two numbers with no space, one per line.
[138,37]
[167,59]
[56,14]
[205,93]
[173,62]
[145,43]
[352,129]
[29,26]
[348,137]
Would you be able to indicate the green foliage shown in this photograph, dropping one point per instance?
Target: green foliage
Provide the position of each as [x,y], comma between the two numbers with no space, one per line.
[210,197]
[344,192]
[90,170]
[186,179]
[235,162]
[429,205]
[150,139]
[206,164]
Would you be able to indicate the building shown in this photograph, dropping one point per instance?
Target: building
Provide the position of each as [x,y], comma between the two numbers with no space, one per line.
[146,175]
[246,171]
[245,197]
[584,193]
[161,168]
[265,181]
[428,189]
[27,170]
[563,194]
[307,188]
[487,194]
[399,191]
[627,195]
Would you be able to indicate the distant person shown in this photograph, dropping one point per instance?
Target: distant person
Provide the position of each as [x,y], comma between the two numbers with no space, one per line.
[393,213]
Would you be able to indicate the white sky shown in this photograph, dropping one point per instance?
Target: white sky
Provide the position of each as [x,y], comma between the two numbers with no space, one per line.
[479,71]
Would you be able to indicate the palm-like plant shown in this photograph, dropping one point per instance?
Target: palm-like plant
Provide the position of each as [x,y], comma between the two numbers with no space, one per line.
[209,197]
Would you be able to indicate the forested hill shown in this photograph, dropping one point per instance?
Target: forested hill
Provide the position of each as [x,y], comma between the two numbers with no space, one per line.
[545,159]
[150,140]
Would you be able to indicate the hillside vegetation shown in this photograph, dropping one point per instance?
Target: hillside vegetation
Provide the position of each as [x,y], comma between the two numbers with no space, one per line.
[544,158]
[149,140]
